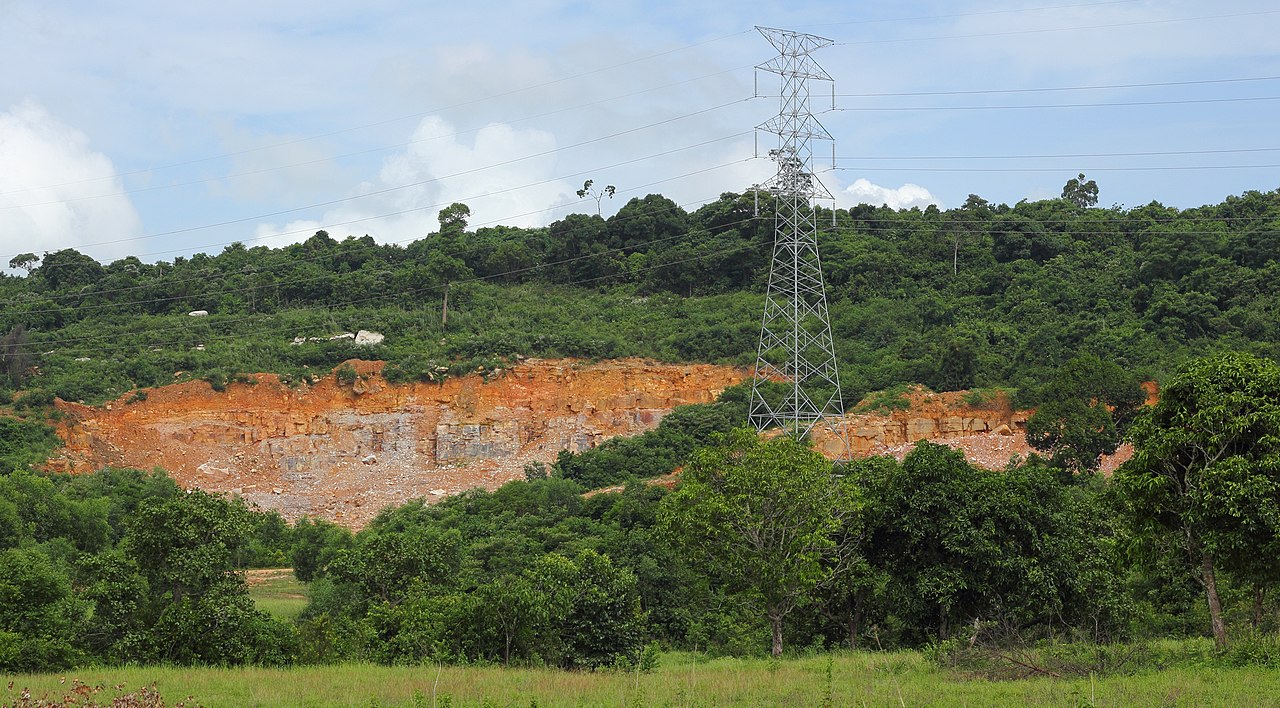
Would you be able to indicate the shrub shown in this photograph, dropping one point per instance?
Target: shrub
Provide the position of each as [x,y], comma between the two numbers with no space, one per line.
[346,374]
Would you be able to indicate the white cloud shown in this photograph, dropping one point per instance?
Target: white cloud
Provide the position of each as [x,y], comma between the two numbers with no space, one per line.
[909,195]
[55,191]
[505,175]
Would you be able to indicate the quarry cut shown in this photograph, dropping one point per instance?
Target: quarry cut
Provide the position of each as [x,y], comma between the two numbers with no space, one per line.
[343,451]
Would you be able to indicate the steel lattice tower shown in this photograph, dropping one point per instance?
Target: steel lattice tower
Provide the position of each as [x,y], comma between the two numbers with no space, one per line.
[795,334]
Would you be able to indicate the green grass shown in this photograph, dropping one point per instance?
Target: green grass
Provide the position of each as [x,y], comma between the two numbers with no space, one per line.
[886,401]
[276,592]
[901,678]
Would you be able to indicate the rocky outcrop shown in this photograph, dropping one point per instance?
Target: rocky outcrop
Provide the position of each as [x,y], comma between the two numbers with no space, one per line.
[921,414]
[343,451]
[987,429]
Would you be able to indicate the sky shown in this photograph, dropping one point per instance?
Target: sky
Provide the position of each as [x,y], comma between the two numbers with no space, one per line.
[164,129]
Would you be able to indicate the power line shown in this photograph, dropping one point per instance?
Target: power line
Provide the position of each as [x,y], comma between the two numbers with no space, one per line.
[492,222]
[260,148]
[1059,156]
[404,211]
[795,343]
[373,298]
[474,170]
[1159,168]
[1107,104]
[973,14]
[717,250]
[442,136]
[1099,87]
[293,263]
[420,114]
[1060,29]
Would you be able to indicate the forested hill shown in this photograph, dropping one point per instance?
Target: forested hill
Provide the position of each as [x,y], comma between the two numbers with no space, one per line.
[980,295]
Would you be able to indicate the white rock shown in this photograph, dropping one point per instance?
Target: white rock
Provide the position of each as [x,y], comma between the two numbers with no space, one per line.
[198,313]
[344,335]
[438,492]
[366,338]
[369,459]
[83,358]
[298,340]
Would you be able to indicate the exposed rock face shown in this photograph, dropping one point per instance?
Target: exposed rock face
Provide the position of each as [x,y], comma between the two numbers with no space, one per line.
[936,417]
[990,433]
[343,452]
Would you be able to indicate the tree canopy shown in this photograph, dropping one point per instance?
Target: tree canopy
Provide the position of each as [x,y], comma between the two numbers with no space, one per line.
[1203,485]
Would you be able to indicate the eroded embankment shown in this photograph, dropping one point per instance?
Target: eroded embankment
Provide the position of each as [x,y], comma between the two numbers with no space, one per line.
[342,451]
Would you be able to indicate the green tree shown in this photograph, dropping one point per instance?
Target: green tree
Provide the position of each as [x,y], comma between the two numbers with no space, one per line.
[386,564]
[514,611]
[69,268]
[453,219]
[596,194]
[760,516]
[316,543]
[949,542]
[187,544]
[592,614]
[40,619]
[1080,192]
[25,261]
[15,359]
[1204,481]
[1083,412]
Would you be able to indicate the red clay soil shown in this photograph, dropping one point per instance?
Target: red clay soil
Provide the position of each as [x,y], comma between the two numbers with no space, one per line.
[343,451]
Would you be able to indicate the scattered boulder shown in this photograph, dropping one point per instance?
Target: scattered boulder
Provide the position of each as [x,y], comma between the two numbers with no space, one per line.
[198,313]
[369,459]
[366,338]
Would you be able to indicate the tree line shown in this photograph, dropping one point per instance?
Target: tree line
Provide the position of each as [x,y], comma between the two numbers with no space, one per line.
[980,295]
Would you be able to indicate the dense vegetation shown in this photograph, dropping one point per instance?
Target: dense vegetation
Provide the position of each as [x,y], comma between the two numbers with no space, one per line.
[763,544]
[759,545]
[122,566]
[981,295]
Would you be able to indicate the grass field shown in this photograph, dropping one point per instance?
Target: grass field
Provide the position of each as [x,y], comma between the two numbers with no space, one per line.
[855,679]
[276,592]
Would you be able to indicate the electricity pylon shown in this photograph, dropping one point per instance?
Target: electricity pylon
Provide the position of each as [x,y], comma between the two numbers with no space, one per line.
[796,348]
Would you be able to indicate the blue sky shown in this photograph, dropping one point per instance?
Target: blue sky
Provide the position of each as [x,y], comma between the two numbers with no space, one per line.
[161,129]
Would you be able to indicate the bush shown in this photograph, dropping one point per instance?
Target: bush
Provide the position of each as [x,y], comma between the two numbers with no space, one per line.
[35,398]
[217,381]
[25,442]
[346,374]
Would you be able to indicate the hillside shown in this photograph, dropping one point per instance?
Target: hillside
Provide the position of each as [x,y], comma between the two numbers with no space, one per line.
[344,449]
[344,446]
[982,295]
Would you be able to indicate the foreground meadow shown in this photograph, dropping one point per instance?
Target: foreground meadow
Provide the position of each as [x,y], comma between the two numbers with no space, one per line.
[845,679]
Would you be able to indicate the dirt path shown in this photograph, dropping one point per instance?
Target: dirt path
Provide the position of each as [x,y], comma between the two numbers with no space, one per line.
[262,576]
